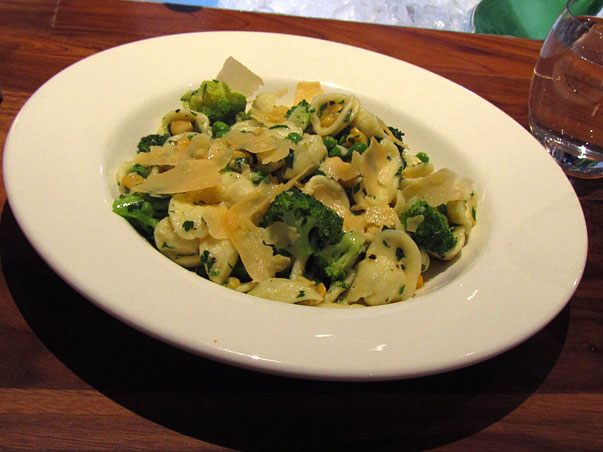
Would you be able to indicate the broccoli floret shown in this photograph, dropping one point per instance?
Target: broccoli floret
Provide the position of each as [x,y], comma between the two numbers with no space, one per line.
[333,262]
[316,224]
[215,100]
[155,139]
[299,115]
[432,233]
[143,212]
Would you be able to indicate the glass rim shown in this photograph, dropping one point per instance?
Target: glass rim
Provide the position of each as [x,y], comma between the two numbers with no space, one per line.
[580,19]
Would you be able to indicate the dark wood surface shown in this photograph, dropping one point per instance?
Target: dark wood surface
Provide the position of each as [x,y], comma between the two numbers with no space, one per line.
[74,379]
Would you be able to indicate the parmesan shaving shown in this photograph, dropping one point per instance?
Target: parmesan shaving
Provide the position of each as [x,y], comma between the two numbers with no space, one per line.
[307,91]
[169,155]
[250,242]
[238,77]
[213,216]
[189,175]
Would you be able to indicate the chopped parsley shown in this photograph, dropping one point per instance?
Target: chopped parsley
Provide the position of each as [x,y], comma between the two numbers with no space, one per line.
[289,159]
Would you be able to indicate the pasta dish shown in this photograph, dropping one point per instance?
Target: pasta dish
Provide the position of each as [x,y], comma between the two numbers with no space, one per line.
[318,202]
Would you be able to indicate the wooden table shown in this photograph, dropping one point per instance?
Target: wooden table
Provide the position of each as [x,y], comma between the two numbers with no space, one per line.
[73,379]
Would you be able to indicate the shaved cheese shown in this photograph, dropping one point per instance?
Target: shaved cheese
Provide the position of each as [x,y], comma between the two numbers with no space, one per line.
[189,175]
[337,169]
[307,91]
[169,155]
[274,155]
[238,77]
[439,188]
[262,140]
[213,216]
[250,242]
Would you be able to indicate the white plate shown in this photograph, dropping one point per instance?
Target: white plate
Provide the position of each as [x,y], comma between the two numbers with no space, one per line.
[521,266]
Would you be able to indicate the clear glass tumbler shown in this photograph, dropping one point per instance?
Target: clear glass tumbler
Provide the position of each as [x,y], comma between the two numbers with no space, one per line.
[566,94]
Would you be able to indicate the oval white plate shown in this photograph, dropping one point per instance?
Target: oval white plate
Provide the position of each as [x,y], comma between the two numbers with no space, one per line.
[521,266]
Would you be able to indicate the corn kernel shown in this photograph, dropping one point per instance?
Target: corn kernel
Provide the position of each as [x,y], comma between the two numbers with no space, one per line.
[420,281]
[233,282]
[328,120]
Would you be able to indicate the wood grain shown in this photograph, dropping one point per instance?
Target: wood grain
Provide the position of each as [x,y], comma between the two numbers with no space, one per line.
[73,378]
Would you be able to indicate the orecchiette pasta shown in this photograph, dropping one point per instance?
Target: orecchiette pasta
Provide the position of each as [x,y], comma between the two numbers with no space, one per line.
[196,120]
[390,270]
[331,113]
[318,203]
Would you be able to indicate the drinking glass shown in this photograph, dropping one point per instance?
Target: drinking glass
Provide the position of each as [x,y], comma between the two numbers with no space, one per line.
[566,94]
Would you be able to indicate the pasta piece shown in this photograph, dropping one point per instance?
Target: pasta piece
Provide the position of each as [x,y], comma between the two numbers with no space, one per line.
[339,170]
[333,195]
[187,218]
[331,113]
[307,155]
[389,272]
[339,287]
[459,234]
[288,291]
[181,251]
[418,170]
[379,167]
[463,212]
[236,186]
[372,126]
[439,188]
[218,258]
[425,260]
[199,122]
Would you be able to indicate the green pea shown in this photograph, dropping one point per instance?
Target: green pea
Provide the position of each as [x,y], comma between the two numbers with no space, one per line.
[329,142]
